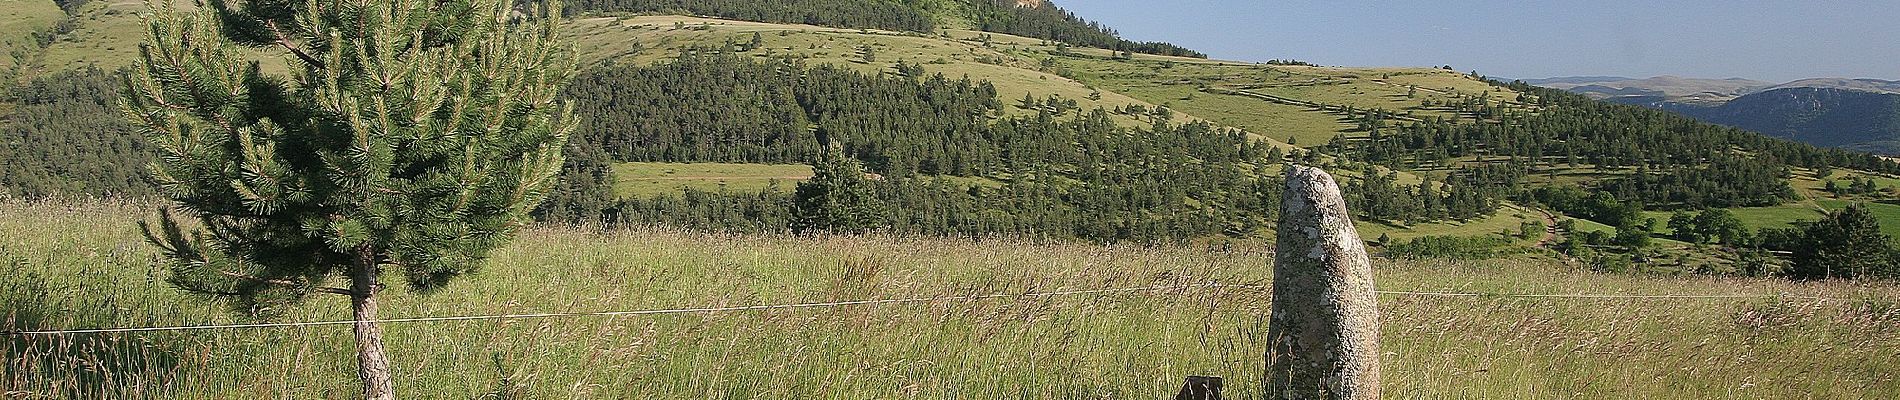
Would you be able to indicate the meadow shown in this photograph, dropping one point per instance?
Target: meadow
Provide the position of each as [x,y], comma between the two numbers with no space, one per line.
[82,264]
[643,180]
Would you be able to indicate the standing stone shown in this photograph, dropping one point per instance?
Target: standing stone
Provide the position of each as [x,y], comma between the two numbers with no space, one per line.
[1323,340]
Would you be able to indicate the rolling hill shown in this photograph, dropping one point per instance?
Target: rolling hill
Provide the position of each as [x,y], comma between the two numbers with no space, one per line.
[983,199]
[1670,89]
[1825,116]
[1399,134]
[1857,114]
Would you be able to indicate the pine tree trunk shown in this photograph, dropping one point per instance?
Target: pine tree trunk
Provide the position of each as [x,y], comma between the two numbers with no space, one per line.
[372,362]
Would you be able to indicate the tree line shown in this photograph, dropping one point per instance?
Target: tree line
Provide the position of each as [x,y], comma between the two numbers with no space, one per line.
[66,135]
[706,107]
[876,14]
[940,157]
[1045,21]
[1669,160]
[1152,197]
[1464,193]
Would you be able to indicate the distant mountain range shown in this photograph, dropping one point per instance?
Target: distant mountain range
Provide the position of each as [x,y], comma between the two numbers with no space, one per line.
[1860,114]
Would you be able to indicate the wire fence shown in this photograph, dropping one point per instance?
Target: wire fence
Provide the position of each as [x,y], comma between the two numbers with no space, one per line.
[771,307]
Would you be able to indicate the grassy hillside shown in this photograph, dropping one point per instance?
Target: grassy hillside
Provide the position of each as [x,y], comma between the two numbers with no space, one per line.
[1287,103]
[1284,105]
[22,25]
[636,180]
[1305,105]
[649,39]
[63,255]
[101,33]
[106,34]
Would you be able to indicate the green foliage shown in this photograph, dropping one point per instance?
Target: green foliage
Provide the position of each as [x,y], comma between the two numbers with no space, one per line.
[1678,162]
[1079,176]
[838,198]
[1134,192]
[1453,247]
[1632,236]
[1469,194]
[1846,244]
[1601,207]
[768,210]
[1727,181]
[1530,229]
[721,108]
[1047,21]
[1722,226]
[879,14]
[585,193]
[67,137]
[414,134]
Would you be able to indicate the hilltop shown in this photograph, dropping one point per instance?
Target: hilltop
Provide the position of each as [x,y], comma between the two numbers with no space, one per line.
[1673,89]
[1857,114]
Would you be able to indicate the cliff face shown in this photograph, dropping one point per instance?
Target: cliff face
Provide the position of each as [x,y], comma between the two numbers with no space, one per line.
[1860,114]
[1822,116]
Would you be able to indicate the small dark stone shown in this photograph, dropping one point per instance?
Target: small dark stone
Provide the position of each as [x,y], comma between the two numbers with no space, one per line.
[1200,388]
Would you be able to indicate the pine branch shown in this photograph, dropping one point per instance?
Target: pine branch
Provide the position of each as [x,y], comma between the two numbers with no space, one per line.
[287,283]
[284,41]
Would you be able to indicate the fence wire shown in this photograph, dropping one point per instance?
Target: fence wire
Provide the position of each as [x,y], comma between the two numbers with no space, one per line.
[701,310]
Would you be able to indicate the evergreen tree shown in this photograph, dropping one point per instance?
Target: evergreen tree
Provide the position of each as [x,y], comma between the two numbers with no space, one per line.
[586,191]
[414,136]
[1846,244]
[65,137]
[838,198]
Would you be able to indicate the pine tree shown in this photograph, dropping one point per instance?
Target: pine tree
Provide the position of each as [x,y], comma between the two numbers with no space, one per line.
[838,198]
[1846,244]
[413,137]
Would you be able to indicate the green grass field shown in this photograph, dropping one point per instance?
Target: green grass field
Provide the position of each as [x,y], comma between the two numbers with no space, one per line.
[639,180]
[65,257]
[1756,218]
[76,264]
[1508,219]
[1888,214]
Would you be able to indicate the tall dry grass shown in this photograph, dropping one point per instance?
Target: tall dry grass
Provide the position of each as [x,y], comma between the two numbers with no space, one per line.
[81,264]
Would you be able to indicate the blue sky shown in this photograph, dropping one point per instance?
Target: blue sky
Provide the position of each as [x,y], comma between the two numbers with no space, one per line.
[1775,40]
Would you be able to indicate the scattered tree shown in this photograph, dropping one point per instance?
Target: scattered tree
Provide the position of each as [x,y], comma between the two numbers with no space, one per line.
[415,137]
[838,198]
[1845,244]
